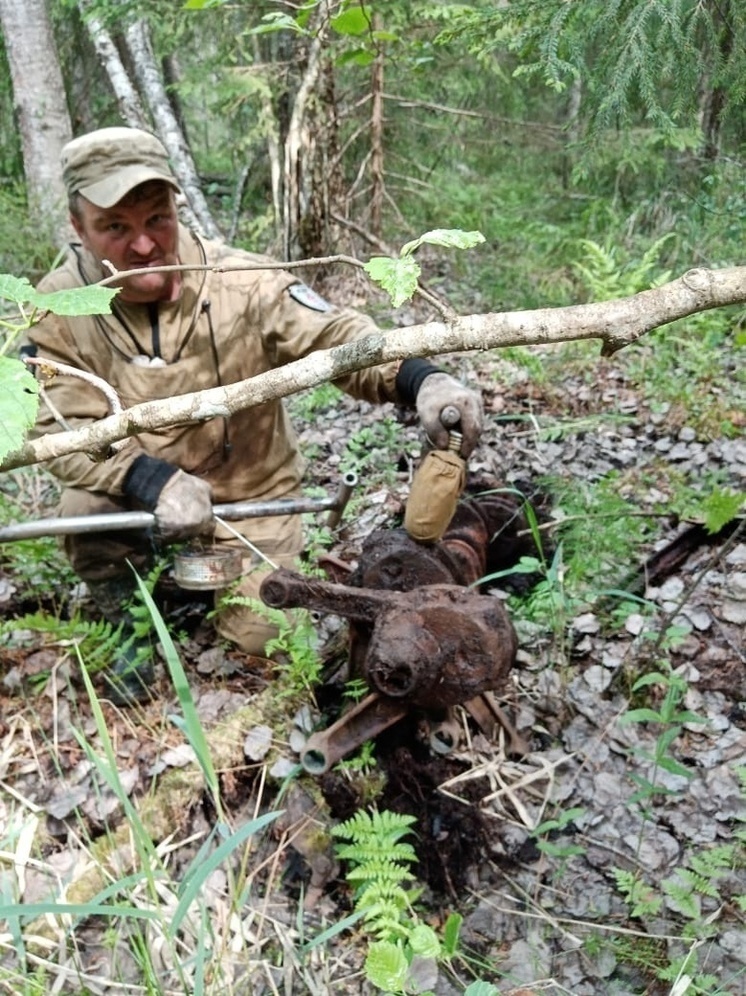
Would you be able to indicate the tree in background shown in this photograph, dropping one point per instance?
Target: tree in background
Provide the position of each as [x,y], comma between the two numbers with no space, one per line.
[307,128]
[39,103]
[662,64]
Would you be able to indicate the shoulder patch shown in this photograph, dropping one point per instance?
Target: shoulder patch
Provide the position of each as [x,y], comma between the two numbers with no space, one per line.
[308,298]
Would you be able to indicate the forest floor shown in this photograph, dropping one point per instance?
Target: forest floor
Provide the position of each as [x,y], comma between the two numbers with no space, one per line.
[604,860]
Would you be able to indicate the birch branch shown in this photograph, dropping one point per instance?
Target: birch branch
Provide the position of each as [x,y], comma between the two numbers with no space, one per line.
[616,324]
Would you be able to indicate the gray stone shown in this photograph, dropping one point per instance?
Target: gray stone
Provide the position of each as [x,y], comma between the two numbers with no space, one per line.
[526,961]
[671,589]
[733,611]
[737,556]
[635,623]
[257,742]
[736,586]
[597,678]
[734,943]
[586,623]
[657,849]
[698,616]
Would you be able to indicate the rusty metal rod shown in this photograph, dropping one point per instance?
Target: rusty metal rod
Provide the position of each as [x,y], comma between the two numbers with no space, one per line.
[231,511]
[369,717]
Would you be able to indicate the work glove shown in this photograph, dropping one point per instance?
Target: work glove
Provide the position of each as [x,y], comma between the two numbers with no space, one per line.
[184,507]
[440,391]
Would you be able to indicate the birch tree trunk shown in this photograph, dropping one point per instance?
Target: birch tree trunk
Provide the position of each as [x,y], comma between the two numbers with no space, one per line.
[313,185]
[43,117]
[151,86]
[616,324]
[376,140]
[127,97]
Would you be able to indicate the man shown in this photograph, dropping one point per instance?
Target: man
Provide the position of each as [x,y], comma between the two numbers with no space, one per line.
[177,332]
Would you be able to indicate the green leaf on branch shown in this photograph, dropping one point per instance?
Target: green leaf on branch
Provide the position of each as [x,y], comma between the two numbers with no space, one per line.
[15,289]
[75,301]
[353,21]
[19,400]
[398,277]
[448,238]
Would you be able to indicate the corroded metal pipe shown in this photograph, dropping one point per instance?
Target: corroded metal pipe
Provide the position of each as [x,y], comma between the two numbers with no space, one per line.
[231,511]
[371,716]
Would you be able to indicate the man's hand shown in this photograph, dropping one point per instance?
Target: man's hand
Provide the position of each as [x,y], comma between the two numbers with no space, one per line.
[184,507]
[439,391]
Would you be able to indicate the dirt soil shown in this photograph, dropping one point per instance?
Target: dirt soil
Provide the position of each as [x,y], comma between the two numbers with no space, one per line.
[544,910]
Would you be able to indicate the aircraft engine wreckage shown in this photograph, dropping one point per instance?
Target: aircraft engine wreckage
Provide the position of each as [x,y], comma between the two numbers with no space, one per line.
[423,636]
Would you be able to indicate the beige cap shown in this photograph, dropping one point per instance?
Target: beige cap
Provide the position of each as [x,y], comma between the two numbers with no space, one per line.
[105,165]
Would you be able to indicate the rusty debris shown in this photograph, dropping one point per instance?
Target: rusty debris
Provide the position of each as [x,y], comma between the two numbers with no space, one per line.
[423,636]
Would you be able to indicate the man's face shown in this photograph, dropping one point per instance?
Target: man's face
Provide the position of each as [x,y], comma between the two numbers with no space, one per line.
[141,231]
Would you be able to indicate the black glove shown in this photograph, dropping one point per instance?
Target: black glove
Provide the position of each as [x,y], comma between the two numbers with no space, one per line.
[440,391]
[181,502]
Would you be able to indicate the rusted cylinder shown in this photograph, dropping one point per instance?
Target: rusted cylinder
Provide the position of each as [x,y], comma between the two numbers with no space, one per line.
[440,645]
[285,589]
[367,719]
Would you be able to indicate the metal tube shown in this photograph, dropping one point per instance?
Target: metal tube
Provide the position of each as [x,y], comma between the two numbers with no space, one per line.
[231,511]
[72,524]
[364,721]
[344,492]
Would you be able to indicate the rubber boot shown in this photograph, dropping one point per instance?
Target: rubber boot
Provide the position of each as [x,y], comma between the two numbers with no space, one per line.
[130,675]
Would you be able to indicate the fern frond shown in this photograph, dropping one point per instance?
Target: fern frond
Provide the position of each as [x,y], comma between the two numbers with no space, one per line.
[378,825]
[381,861]
[380,871]
[369,852]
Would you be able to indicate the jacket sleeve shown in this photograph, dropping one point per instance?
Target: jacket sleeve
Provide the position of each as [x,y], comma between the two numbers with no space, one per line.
[79,404]
[295,322]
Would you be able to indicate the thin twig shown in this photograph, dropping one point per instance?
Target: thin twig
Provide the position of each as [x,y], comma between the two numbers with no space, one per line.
[115,405]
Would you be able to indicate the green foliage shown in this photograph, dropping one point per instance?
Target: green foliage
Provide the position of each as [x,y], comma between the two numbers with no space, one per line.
[642,899]
[638,59]
[18,387]
[97,640]
[294,648]
[696,881]
[363,760]
[611,545]
[548,846]
[21,248]
[549,602]
[481,989]
[371,448]
[605,276]
[670,717]
[716,509]
[405,950]
[399,277]
[380,861]
[297,661]
[31,304]
[19,401]
[306,404]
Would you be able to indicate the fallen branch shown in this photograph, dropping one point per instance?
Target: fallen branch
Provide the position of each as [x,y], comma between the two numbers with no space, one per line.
[616,323]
